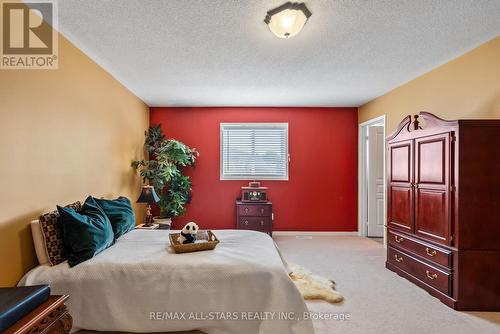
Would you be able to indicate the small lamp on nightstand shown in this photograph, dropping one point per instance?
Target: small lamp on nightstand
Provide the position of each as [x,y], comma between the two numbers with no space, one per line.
[148,195]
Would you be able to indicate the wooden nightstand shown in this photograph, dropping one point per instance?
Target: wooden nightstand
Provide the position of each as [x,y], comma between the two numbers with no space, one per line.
[255,216]
[50,317]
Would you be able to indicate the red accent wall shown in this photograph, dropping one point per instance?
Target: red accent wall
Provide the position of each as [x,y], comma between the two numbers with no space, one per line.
[321,193]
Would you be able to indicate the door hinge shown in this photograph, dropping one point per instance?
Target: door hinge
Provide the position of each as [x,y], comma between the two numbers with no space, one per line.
[451,238]
[453,138]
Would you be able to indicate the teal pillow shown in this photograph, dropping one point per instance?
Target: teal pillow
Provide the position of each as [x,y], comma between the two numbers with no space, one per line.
[85,233]
[120,214]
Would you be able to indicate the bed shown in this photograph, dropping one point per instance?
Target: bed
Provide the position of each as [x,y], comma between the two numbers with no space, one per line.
[140,285]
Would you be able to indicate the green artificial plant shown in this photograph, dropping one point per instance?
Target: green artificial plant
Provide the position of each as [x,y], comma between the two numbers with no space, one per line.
[163,170]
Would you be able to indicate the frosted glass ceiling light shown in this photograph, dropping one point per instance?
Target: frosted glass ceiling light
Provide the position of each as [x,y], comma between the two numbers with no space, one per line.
[288,19]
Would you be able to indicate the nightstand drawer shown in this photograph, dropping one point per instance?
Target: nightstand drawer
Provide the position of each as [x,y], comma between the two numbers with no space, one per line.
[254,210]
[255,223]
[254,216]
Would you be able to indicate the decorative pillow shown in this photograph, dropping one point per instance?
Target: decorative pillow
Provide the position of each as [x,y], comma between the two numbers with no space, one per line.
[120,214]
[85,233]
[50,226]
[36,233]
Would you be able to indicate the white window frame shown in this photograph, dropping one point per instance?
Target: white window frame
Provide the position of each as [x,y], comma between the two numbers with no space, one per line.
[248,177]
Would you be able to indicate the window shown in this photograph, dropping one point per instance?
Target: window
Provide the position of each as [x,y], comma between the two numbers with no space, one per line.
[254,151]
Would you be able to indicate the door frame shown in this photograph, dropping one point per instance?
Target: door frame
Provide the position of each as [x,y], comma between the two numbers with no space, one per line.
[363,177]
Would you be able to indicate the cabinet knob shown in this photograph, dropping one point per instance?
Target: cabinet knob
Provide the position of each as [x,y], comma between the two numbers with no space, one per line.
[246,222]
[262,210]
[398,258]
[430,252]
[246,210]
[398,239]
[261,223]
[431,276]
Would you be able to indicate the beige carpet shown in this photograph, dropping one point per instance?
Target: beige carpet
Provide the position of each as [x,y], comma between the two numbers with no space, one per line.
[376,299]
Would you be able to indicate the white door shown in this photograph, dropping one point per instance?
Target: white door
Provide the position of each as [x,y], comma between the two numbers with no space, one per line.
[376,181]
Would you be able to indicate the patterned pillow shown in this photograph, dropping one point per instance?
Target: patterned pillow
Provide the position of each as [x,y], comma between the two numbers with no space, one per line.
[52,234]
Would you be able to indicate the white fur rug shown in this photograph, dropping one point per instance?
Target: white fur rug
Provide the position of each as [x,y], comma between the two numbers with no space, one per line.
[313,286]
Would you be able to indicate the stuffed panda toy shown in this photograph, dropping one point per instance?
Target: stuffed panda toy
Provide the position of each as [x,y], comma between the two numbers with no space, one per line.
[188,233]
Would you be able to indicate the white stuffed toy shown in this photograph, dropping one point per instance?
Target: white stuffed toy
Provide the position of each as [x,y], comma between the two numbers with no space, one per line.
[188,233]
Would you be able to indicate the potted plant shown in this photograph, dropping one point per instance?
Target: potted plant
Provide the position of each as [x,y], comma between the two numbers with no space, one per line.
[163,170]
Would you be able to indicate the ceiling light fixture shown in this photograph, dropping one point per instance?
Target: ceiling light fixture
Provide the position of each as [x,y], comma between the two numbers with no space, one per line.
[288,19]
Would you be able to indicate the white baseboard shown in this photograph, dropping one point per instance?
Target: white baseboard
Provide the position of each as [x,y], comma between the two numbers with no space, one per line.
[315,233]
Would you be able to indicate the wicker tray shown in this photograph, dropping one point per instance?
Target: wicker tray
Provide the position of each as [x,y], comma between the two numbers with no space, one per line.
[195,247]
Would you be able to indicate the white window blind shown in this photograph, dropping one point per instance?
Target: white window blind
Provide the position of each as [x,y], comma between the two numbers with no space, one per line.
[254,151]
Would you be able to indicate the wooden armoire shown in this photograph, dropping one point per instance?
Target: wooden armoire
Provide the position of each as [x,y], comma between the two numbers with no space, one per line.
[443,208]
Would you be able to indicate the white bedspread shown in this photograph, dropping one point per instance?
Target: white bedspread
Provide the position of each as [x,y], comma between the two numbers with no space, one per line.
[139,285]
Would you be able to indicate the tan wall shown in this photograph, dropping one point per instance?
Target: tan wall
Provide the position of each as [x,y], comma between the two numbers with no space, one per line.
[466,87]
[64,134]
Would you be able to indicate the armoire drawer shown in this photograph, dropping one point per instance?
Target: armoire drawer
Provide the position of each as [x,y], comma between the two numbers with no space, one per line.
[434,277]
[425,250]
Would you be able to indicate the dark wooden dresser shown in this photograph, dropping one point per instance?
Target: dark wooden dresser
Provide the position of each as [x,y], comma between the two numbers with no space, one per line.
[443,200]
[255,216]
[51,317]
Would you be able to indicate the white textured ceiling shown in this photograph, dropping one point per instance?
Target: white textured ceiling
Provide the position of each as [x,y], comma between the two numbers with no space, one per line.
[221,53]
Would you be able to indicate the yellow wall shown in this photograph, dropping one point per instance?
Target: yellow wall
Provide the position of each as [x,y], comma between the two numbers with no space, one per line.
[64,134]
[466,87]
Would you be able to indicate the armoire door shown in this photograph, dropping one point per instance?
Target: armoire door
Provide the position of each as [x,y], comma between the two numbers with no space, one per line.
[432,188]
[400,186]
